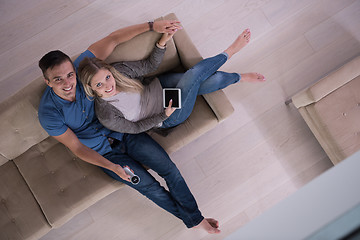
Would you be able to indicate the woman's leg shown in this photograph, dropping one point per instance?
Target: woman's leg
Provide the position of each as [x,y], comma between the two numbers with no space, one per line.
[204,78]
[219,80]
[190,83]
[213,83]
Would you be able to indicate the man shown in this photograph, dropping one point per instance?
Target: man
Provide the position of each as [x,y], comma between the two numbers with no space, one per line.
[68,115]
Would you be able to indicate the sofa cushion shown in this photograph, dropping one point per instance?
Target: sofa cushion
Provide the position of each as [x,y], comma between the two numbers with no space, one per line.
[20,215]
[340,126]
[63,184]
[201,120]
[20,129]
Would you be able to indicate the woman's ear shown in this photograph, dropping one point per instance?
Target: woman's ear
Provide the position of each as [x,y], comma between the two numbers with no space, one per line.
[96,94]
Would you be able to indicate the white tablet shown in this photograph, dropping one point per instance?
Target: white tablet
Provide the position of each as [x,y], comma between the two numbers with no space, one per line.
[174,94]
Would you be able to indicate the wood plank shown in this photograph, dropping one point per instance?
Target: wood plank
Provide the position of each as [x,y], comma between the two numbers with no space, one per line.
[306,72]
[336,27]
[277,11]
[287,188]
[37,18]
[286,32]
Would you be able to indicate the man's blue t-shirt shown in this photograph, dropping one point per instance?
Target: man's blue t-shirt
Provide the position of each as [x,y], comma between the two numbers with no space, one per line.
[56,115]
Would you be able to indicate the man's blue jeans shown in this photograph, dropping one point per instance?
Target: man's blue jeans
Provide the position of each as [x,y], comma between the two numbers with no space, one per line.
[201,79]
[136,150]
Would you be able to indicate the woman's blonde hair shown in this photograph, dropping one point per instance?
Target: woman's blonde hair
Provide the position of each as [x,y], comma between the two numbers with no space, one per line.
[90,66]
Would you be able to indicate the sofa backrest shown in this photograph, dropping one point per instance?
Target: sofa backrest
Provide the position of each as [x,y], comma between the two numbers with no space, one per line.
[328,84]
[20,128]
[141,46]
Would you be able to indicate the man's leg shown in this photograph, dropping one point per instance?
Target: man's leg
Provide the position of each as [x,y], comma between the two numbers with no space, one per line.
[149,153]
[148,185]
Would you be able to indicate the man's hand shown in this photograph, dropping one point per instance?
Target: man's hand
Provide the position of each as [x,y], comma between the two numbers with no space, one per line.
[166,26]
[121,172]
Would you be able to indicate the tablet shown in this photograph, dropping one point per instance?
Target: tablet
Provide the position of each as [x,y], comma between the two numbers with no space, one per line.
[174,94]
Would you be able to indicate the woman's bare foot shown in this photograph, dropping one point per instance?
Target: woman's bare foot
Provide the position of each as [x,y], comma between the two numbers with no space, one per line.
[241,41]
[252,77]
[210,225]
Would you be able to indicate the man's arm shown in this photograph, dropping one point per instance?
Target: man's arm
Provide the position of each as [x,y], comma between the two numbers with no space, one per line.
[104,47]
[85,153]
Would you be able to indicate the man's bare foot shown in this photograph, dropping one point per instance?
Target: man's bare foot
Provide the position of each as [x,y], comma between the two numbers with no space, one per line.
[241,41]
[252,77]
[210,225]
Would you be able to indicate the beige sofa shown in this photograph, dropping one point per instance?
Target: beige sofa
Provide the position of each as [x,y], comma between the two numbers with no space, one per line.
[42,184]
[331,109]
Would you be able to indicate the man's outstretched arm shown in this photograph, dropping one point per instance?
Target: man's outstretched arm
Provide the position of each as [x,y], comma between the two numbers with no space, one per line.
[104,47]
[85,153]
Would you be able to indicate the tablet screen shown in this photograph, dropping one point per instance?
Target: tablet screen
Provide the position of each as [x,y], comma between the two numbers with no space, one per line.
[174,94]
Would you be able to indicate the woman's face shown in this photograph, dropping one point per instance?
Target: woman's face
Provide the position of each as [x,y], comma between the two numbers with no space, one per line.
[103,83]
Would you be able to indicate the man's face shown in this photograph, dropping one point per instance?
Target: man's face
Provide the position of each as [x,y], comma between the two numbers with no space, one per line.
[62,79]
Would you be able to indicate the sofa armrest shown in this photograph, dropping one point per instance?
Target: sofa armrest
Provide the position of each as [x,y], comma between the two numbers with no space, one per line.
[327,142]
[328,84]
[220,104]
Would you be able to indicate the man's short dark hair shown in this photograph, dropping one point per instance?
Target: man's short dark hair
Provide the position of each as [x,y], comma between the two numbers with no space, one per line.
[52,59]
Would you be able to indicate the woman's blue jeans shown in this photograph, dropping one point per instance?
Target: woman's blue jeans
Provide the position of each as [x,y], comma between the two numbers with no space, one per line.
[138,150]
[201,79]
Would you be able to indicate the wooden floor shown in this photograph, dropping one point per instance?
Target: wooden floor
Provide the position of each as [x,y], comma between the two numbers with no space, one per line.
[257,157]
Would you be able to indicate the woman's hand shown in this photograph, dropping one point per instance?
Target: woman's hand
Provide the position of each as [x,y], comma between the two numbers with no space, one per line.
[121,172]
[165,38]
[166,26]
[169,110]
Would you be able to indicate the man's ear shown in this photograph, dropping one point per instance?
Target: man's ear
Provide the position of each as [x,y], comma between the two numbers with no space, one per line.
[47,82]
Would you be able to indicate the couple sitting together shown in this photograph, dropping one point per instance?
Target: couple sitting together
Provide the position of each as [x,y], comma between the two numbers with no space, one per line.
[100,111]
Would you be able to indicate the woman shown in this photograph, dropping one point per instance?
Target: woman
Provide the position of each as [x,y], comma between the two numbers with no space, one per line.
[128,102]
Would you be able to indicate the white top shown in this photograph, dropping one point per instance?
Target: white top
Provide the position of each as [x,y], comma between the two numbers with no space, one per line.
[128,103]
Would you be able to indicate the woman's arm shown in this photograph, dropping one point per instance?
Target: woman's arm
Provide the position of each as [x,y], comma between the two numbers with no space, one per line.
[137,69]
[110,117]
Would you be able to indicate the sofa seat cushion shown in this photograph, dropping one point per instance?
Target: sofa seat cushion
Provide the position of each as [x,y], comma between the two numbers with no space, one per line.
[20,214]
[62,184]
[201,120]
[338,117]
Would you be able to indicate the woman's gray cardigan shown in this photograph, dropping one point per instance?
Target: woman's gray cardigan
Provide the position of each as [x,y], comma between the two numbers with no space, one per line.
[111,117]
